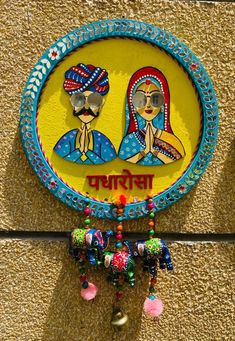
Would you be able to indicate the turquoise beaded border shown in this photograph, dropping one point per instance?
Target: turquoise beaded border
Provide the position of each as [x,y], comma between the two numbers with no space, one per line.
[100,30]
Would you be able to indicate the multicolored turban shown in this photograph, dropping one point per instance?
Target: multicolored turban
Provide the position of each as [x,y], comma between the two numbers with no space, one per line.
[86,77]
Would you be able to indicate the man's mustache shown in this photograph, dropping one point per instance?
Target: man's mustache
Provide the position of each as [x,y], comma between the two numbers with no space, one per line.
[83,111]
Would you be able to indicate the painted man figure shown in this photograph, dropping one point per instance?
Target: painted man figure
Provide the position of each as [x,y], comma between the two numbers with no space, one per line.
[86,85]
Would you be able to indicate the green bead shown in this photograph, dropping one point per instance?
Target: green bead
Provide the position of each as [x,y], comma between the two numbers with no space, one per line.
[152,215]
[119,287]
[151,232]
[82,270]
[85,285]
[87,221]
[151,289]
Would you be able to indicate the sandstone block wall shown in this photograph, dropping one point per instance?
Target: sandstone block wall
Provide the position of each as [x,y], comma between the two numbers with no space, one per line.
[39,282]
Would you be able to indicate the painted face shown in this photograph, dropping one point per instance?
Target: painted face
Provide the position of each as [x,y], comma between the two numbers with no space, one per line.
[86,105]
[147,100]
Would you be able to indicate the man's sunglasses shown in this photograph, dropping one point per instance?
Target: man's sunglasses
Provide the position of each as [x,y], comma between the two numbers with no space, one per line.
[94,100]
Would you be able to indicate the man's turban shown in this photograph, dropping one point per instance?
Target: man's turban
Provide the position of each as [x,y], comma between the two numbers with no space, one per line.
[86,77]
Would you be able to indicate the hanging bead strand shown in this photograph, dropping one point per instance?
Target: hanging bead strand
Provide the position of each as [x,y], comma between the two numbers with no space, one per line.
[120,205]
[77,245]
[87,212]
[152,305]
[121,257]
[82,261]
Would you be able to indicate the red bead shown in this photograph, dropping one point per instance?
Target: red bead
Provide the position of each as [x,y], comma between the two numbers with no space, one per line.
[83,278]
[119,236]
[87,210]
[151,224]
[119,295]
[151,206]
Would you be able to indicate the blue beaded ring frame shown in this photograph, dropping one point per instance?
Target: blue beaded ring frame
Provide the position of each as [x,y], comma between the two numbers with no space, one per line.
[129,29]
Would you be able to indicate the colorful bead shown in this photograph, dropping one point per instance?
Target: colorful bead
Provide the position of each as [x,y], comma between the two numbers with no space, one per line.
[151,289]
[119,287]
[119,218]
[118,245]
[119,228]
[121,280]
[82,270]
[119,236]
[87,210]
[151,232]
[151,215]
[119,295]
[150,206]
[85,285]
[87,221]
[83,278]
[151,223]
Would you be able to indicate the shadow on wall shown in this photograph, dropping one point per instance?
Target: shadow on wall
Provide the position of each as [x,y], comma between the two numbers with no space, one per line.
[174,218]
[72,318]
[224,203]
[28,204]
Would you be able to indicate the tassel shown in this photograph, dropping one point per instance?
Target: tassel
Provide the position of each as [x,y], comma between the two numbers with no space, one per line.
[123,199]
[153,306]
[90,292]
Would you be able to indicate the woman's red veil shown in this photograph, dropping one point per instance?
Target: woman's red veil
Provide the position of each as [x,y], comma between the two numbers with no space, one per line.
[139,77]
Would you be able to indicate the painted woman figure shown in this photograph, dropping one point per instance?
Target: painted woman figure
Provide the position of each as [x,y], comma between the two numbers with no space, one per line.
[87,85]
[149,139]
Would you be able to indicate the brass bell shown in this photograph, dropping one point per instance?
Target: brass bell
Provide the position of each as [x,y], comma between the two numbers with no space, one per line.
[119,319]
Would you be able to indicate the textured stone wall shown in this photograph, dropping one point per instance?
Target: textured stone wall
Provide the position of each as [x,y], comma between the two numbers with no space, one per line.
[27,30]
[41,299]
[39,282]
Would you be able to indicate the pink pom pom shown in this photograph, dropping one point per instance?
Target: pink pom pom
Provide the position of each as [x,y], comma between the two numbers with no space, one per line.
[90,292]
[153,307]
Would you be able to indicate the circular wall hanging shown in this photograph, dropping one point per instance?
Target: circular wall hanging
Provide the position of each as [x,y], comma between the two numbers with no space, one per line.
[119,106]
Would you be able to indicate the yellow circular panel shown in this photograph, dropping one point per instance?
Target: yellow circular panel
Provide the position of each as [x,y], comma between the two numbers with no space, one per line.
[121,58]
